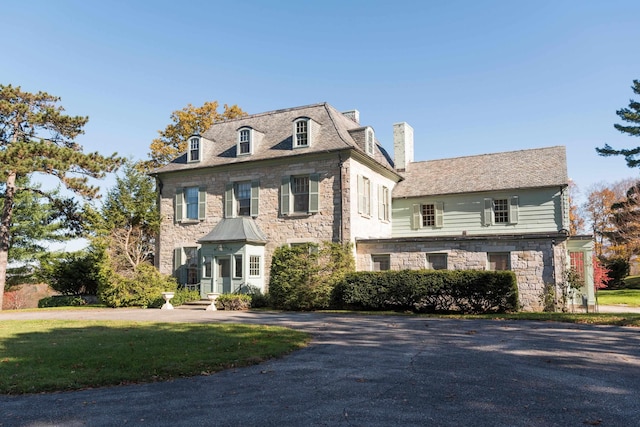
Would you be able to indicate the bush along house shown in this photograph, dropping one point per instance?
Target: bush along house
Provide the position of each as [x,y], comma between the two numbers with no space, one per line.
[311,174]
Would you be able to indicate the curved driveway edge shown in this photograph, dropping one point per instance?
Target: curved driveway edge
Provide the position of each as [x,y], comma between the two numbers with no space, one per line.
[373,371]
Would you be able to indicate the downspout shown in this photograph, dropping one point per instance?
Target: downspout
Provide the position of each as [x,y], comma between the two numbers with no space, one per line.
[341,186]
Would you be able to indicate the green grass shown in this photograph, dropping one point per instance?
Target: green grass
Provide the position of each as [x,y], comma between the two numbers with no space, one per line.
[628,297]
[53,355]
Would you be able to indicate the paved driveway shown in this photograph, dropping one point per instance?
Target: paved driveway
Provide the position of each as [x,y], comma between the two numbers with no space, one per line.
[374,371]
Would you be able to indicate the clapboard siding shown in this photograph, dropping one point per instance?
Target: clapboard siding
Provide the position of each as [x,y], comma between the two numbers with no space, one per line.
[539,210]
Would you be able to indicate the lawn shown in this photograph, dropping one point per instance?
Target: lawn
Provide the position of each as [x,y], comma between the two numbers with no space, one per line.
[628,297]
[52,355]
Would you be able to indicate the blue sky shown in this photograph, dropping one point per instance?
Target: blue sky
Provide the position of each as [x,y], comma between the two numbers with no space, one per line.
[471,77]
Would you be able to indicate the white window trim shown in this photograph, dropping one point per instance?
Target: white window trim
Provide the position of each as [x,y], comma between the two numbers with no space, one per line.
[295,133]
[191,139]
[416,217]
[251,139]
[180,205]
[513,203]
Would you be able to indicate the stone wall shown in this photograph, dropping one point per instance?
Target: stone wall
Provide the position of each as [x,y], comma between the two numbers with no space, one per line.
[316,227]
[536,262]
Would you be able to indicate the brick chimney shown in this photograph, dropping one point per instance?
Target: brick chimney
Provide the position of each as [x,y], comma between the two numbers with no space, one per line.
[402,145]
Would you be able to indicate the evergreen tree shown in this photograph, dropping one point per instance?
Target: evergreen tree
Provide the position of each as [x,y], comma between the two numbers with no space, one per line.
[629,115]
[130,220]
[37,137]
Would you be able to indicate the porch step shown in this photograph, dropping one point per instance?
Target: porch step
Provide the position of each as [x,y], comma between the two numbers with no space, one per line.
[199,305]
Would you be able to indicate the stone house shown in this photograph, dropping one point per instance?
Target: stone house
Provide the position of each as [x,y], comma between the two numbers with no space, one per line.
[310,174]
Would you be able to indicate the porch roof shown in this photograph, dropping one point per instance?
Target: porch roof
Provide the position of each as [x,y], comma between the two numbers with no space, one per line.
[242,229]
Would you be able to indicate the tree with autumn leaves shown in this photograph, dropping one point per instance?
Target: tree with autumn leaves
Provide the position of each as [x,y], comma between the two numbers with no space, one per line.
[172,141]
[37,137]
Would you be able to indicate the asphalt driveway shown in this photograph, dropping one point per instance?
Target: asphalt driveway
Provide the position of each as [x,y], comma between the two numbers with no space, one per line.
[373,371]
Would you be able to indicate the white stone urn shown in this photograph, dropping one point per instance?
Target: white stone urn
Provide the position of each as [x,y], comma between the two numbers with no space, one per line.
[212,296]
[167,296]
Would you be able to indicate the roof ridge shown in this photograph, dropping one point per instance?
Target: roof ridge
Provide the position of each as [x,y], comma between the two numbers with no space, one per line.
[268,113]
[491,154]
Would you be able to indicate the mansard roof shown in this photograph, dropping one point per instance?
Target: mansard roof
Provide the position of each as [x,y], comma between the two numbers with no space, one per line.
[219,146]
[541,167]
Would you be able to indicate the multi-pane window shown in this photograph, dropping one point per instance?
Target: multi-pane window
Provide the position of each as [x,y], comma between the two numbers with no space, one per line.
[498,261]
[237,271]
[244,141]
[191,202]
[300,192]
[302,133]
[501,211]
[380,262]
[437,261]
[191,255]
[194,149]
[243,198]
[254,265]
[428,215]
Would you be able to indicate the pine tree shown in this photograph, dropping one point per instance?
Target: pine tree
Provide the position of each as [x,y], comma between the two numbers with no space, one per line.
[37,137]
[629,115]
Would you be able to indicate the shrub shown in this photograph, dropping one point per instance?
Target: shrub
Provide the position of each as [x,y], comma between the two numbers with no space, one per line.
[303,277]
[144,288]
[429,291]
[72,273]
[61,301]
[234,301]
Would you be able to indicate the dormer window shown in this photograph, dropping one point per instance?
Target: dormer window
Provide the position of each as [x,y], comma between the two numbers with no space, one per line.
[301,133]
[245,137]
[369,141]
[194,149]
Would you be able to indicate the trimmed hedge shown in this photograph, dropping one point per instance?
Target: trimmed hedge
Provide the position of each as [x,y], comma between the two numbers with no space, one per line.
[428,291]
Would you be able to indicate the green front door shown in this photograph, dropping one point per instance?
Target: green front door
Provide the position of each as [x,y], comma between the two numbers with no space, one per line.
[223,274]
[206,280]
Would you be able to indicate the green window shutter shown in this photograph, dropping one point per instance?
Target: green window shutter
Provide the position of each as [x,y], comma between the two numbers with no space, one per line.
[177,214]
[285,189]
[487,213]
[228,200]
[255,191]
[513,210]
[416,217]
[439,214]
[177,265]
[360,194]
[314,192]
[202,203]
[381,202]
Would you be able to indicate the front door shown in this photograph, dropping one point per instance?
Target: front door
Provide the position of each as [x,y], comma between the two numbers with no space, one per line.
[223,276]
[206,282]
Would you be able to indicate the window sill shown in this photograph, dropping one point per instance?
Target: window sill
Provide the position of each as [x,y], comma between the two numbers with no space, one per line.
[189,221]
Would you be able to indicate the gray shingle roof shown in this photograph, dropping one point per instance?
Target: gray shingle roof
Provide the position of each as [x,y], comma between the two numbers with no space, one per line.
[276,128]
[240,229]
[541,167]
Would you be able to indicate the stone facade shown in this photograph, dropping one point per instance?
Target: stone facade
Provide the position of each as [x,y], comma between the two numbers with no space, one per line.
[536,261]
